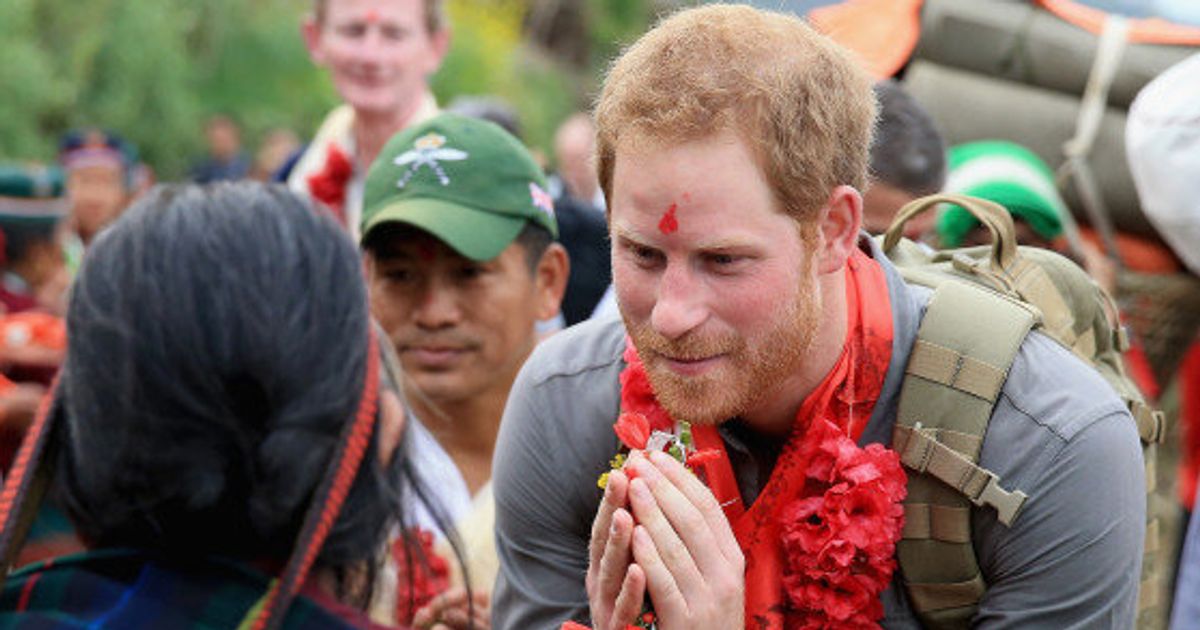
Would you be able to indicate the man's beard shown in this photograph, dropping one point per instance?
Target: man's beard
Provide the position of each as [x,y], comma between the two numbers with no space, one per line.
[748,375]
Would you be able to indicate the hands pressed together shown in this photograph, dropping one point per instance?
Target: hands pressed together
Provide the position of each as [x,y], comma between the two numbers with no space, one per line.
[660,532]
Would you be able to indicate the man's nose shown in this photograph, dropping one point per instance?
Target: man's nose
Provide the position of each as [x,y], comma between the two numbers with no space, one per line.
[437,306]
[682,302]
[372,46]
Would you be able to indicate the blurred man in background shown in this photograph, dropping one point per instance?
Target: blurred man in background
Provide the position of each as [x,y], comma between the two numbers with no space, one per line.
[225,160]
[461,263]
[380,55]
[574,144]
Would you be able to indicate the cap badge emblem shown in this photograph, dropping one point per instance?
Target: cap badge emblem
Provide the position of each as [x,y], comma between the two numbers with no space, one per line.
[428,150]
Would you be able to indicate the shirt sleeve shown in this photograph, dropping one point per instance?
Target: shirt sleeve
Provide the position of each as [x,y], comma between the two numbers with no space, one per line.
[555,440]
[1073,557]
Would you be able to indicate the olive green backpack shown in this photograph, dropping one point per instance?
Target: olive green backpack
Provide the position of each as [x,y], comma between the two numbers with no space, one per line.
[985,300]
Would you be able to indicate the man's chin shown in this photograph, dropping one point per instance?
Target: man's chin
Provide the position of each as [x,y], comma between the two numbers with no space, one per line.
[702,401]
[370,101]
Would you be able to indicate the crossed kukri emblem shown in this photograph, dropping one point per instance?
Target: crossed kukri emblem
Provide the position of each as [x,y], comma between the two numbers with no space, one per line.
[429,150]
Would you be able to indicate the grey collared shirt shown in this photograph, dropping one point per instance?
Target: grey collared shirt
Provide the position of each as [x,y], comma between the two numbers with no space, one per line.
[1071,560]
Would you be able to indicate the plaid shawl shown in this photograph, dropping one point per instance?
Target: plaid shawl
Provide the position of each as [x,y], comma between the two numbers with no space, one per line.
[129,589]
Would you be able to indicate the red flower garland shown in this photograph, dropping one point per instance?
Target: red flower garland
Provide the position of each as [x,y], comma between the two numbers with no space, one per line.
[839,539]
[839,542]
[329,184]
[636,394]
[429,578]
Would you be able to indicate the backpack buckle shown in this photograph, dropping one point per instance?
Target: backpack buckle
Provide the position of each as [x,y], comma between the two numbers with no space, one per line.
[1007,504]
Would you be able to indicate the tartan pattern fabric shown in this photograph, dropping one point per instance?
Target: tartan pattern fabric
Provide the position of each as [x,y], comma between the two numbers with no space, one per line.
[130,590]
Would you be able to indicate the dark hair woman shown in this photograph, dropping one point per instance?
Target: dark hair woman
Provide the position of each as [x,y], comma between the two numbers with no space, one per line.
[223,417]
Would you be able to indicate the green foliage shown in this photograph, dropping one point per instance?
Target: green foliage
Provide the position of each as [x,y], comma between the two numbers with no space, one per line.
[615,24]
[488,58]
[153,70]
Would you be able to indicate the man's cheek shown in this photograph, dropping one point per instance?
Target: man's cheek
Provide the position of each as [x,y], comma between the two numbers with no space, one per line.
[635,294]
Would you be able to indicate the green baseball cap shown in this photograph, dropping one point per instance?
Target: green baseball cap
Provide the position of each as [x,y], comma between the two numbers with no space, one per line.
[464,180]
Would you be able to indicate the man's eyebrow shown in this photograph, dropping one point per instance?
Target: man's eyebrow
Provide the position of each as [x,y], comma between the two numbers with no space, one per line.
[620,232]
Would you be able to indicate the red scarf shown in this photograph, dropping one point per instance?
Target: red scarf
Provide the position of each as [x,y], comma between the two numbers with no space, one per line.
[843,402]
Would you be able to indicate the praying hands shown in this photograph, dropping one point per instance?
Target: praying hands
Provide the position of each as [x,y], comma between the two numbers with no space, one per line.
[660,531]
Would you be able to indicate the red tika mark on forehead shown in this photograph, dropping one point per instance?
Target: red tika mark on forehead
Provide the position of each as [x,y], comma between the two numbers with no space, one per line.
[425,252]
[668,223]
[372,16]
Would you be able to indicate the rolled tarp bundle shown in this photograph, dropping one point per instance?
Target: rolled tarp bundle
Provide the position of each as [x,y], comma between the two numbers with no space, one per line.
[1020,42]
[969,106]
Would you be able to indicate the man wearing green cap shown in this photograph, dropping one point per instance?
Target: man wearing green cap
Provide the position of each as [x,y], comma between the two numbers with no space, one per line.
[459,231]
[1011,175]
[1016,178]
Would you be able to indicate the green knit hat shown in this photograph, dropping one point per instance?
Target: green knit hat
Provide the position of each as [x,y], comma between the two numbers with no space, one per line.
[1008,174]
[464,180]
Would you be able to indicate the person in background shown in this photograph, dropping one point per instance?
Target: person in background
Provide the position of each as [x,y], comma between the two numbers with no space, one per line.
[908,161]
[32,339]
[276,147]
[101,170]
[574,148]
[459,231]
[380,55]
[1162,141]
[1014,177]
[226,161]
[31,209]
[248,428]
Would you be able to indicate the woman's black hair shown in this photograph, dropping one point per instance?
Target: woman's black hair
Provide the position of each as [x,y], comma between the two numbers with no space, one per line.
[217,338]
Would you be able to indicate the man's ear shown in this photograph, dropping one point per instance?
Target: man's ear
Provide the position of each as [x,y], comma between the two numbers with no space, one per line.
[368,267]
[310,30]
[439,42]
[839,224]
[550,278]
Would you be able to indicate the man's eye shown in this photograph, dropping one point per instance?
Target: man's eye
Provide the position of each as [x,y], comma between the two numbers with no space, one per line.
[354,30]
[399,275]
[470,272]
[726,263]
[394,33]
[644,254]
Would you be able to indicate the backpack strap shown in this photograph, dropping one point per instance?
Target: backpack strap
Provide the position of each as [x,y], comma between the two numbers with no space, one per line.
[965,345]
